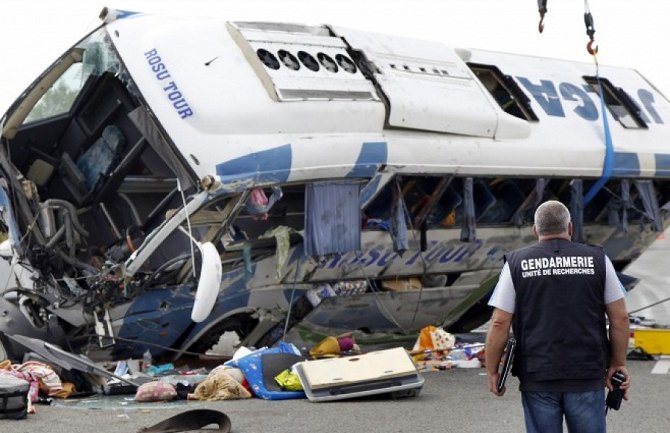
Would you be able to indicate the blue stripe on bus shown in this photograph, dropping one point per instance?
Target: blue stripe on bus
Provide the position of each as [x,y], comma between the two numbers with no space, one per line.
[125,14]
[372,156]
[267,166]
[626,164]
[662,164]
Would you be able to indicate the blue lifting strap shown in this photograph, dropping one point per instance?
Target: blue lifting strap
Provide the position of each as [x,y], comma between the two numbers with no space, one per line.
[608,165]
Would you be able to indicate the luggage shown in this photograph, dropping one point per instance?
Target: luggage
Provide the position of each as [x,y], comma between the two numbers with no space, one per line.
[389,371]
[13,397]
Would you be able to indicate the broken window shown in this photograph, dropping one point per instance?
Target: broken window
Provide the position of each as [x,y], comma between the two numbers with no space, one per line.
[535,193]
[92,57]
[439,201]
[647,196]
[61,95]
[285,207]
[99,184]
[504,90]
[616,204]
[499,198]
[432,200]
[619,104]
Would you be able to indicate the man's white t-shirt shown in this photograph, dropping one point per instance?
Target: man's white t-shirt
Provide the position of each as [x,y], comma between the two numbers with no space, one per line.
[504,295]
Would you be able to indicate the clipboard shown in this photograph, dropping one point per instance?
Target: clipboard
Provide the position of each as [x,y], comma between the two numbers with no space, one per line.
[507,363]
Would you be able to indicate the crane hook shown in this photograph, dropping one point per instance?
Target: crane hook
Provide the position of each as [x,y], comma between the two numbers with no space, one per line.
[592,48]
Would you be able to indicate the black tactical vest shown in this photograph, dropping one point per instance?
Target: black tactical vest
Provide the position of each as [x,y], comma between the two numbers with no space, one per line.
[559,321]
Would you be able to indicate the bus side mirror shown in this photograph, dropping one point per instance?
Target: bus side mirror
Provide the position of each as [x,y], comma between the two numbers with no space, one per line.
[209,283]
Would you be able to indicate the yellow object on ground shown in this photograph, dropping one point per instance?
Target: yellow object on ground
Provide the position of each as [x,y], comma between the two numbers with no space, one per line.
[328,347]
[288,381]
[653,341]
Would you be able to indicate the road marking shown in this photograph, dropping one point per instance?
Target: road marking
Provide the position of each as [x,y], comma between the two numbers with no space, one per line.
[661,367]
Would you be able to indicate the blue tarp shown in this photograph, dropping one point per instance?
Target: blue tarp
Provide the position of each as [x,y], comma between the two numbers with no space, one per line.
[261,366]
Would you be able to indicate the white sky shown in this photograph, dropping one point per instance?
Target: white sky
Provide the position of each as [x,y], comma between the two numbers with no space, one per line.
[630,33]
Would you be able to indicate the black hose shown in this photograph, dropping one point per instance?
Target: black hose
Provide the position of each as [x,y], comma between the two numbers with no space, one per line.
[77,264]
[146,343]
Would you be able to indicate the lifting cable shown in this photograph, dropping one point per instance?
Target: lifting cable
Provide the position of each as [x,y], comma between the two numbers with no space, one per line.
[588,22]
[608,164]
[592,49]
[590,30]
[542,9]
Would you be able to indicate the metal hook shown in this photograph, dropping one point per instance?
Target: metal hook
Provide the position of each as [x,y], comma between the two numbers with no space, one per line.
[591,48]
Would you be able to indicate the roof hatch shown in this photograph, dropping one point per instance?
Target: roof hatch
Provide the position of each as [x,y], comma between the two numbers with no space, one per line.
[301,63]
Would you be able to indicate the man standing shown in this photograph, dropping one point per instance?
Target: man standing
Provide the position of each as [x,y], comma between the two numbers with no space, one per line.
[555,296]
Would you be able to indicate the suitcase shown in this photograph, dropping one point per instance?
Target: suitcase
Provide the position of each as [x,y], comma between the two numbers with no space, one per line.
[13,397]
[389,371]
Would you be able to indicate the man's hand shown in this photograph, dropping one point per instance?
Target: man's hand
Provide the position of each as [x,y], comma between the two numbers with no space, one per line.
[493,384]
[625,386]
[495,345]
[618,332]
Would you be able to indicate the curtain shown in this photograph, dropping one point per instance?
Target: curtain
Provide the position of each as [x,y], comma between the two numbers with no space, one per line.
[332,218]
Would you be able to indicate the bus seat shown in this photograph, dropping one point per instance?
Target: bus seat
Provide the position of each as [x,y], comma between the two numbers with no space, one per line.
[82,177]
[99,159]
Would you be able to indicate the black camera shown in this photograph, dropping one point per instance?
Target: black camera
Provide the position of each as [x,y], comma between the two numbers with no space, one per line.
[615,396]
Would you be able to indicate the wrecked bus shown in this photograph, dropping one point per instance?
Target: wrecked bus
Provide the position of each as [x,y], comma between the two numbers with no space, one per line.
[266,181]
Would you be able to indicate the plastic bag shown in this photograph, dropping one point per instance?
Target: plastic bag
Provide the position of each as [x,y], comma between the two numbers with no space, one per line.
[288,380]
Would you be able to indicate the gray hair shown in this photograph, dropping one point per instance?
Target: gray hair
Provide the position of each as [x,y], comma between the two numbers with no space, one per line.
[551,218]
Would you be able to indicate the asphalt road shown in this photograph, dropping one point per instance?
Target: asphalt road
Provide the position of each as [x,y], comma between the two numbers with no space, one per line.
[450,401]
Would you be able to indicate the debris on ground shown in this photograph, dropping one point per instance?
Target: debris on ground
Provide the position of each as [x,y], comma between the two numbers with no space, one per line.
[332,369]
[436,349]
